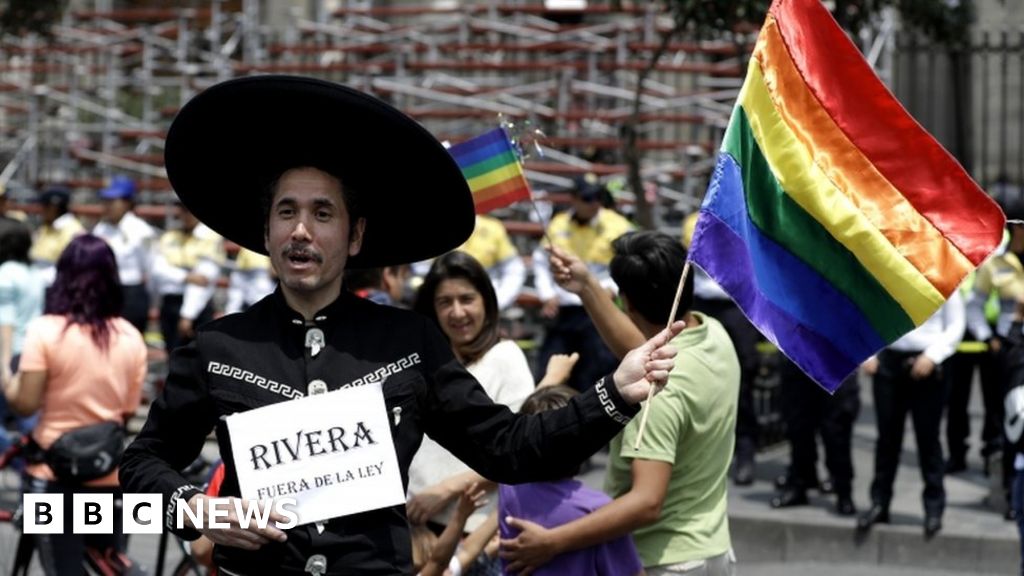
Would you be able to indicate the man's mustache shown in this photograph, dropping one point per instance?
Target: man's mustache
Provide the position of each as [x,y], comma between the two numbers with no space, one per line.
[292,251]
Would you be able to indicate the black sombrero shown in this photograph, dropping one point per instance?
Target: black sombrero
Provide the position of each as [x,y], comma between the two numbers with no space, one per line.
[228,143]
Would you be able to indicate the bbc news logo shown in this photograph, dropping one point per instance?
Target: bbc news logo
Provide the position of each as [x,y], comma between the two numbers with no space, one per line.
[144,513]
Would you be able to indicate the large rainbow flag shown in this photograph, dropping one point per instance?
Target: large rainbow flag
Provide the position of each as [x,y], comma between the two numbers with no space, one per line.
[833,219]
[491,166]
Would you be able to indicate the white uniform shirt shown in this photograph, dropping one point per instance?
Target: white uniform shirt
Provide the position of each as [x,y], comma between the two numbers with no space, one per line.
[130,240]
[940,334]
[250,281]
[169,279]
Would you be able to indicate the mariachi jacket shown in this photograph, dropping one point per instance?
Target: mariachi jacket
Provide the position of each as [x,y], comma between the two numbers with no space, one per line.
[260,357]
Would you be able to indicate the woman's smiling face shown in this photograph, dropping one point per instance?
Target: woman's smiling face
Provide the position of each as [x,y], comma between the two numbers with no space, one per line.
[460,311]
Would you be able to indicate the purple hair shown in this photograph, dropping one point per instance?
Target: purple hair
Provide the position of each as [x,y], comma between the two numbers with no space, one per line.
[87,290]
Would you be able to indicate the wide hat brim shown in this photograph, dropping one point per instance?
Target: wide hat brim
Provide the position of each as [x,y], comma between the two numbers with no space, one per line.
[231,141]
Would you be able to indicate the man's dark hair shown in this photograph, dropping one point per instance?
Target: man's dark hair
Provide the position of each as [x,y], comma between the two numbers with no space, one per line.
[363,278]
[15,240]
[369,278]
[646,267]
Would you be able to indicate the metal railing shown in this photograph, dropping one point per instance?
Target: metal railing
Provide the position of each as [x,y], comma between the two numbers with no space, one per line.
[971,99]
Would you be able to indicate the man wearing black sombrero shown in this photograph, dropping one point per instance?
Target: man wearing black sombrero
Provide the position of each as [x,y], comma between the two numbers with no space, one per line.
[322,177]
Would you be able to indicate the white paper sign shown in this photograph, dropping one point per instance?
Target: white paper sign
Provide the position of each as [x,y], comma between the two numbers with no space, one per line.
[331,452]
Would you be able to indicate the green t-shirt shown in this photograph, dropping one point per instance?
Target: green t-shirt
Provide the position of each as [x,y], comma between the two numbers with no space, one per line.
[691,426]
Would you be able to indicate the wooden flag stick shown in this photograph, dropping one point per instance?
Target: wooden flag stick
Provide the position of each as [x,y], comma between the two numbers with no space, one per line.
[671,318]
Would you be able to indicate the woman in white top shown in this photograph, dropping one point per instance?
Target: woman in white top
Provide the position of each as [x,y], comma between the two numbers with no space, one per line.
[458,295]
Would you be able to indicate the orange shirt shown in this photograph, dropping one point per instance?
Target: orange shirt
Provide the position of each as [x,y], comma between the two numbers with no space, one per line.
[84,385]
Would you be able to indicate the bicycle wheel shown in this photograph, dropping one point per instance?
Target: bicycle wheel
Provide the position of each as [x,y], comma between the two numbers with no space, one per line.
[16,549]
[10,529]
[8,543]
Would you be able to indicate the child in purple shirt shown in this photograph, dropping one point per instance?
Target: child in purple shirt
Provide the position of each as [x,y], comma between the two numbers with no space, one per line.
[558,502]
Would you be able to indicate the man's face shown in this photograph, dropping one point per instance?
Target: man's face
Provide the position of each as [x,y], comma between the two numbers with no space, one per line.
[188,220]
[1016,239]
[114,210]
[585,207]
[50,213]
[308,237]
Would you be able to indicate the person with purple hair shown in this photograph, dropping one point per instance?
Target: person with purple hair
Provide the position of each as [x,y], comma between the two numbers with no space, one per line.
[81,365]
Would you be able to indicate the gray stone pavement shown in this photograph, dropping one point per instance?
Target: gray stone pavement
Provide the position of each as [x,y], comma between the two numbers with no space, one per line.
[819,568]
[975,538]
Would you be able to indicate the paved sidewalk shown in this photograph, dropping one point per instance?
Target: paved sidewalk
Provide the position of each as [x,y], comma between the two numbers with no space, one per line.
[975,538]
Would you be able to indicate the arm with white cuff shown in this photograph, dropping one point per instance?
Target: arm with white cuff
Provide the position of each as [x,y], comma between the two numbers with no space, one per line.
[196,297]
[953,324]
[508,277]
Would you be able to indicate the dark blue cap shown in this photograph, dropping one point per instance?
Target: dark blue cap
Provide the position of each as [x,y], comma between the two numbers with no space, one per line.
[55,196]
[587,188]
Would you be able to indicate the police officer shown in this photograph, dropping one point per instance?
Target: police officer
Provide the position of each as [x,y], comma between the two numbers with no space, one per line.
[250,281]
[908,378]
[57,230]
[323,157]
[186,267]
[491,247]
[130,237]
[587,231]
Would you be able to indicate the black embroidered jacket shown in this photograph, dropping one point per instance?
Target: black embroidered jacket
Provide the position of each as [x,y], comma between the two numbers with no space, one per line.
[260,357]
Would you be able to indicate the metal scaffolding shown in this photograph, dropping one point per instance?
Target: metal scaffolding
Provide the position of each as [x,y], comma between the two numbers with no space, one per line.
[97,97]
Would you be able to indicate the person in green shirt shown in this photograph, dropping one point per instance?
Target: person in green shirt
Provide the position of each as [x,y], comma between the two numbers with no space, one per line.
[671,492]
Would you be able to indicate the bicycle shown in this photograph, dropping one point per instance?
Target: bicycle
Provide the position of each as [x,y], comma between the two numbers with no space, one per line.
[25,547]
[94,561]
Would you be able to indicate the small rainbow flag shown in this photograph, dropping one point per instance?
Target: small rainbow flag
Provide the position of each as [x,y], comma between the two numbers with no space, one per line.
[491,166]
[833,219]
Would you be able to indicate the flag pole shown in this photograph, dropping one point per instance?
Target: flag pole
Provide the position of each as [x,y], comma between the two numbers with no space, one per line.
[671,318]
[540,218]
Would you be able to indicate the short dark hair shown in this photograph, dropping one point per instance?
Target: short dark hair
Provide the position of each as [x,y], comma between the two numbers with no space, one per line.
[461,265]
[348,195]
[646,267]
[369,278]
[549,398]
[363,278]
[15,240]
